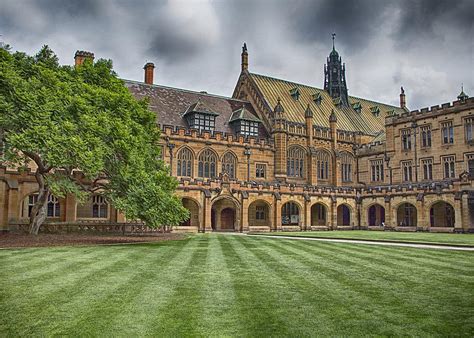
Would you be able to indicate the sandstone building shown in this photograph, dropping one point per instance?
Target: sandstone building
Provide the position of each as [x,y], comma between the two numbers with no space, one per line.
[279,155]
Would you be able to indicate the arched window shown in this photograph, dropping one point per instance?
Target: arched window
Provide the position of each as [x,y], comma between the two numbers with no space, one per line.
[185,163]
[323,166]
[53,206]
[346,167]
[207,164]
[229,164]
[99,206]
[290,214]
[295,161]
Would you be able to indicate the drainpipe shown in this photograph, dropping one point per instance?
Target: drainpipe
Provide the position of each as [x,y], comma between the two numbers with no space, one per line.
[414,126]
[171,147]
[247,152]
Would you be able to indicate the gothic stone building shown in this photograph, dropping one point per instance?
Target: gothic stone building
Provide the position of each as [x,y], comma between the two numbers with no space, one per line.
[279,155]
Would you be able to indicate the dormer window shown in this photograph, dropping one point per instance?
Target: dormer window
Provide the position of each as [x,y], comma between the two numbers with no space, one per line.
[295,93]
[317,98]
[357,107]
[245,123]
[375,111]
[200,117]
[202,121]
[337,101]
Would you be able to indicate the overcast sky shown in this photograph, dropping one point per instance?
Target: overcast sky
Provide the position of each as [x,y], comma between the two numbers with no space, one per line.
[427,46]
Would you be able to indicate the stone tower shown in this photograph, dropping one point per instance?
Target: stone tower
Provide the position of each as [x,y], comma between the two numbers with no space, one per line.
[335,76]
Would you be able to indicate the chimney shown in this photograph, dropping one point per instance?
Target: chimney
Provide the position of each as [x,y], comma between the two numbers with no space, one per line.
[82,55]
[245,57]
[149,69]
[403,100]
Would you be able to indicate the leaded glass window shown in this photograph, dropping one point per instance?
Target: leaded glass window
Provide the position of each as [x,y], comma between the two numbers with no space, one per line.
[185,163]
[295,161]
[207,164]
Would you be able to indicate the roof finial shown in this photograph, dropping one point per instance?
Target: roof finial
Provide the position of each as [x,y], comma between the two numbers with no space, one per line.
[333,38]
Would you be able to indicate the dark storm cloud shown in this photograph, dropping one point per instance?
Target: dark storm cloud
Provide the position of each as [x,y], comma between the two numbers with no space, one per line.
[418,19]
[353,21]
[424,45]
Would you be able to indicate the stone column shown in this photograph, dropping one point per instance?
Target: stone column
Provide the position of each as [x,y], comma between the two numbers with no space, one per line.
[465,212]
[458,226]
[244,219]
[334,215]
[388,213]
[277,225]
[207,226]
[307,223]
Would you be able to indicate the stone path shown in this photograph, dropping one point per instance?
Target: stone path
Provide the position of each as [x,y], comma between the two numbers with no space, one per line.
[374,242]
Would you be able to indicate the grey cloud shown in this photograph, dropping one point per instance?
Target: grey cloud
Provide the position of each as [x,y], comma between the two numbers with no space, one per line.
[425,45]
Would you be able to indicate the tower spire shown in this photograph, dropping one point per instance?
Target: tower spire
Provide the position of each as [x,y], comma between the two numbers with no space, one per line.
[335,76]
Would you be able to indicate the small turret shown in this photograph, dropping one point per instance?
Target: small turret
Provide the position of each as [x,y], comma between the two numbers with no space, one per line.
[278,110]
[403,100]
[245,58]
[462,96]
[335,76]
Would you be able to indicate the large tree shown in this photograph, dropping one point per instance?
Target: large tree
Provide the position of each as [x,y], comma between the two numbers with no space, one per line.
[85,133]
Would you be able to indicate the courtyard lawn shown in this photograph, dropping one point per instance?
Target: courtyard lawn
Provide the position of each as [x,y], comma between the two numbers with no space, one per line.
[232,285]
[417,237]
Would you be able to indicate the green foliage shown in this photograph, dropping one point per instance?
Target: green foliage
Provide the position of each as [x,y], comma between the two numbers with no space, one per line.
[86,133]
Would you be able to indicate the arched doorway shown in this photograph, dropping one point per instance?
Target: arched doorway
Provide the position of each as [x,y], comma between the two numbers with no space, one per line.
[319,215]
[259,214]
[406,215]
[442,215]
[376,215]
[343,215]
[290,214]
[227,219]
[193,209]
[224,215]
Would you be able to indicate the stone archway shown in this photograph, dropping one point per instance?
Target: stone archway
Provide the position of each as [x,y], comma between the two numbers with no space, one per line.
[343,215]
[259,214]
[376,215]
[225,215]
[193,208]
[441,215]
[290,214]
[319,215]
[406,215]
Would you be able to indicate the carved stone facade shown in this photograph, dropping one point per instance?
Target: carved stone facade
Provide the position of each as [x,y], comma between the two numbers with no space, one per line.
[284,156]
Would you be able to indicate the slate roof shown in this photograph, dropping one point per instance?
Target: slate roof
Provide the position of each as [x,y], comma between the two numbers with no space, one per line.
[243,114]
[171,104]
[367,121]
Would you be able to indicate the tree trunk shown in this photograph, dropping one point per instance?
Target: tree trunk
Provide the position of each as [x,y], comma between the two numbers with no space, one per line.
[39,210]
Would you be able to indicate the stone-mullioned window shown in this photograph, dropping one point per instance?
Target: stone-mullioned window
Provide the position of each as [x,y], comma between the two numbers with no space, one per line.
[425,136]
[295,162]
[323,165]
[229,164]
[185,163]
[376,168]
[447,132]
[407,171]
[207,165]
[427,165]
[406,139]
[448,166]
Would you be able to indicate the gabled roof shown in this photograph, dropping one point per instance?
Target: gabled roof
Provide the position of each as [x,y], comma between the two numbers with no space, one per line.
[199,107]
[347,118]
[170,105]
[243,114]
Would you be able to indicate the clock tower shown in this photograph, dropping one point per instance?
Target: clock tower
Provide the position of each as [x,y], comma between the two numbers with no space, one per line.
[335,76]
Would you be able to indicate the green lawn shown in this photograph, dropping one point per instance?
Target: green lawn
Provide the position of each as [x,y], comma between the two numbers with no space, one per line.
[224,285]
[419,237]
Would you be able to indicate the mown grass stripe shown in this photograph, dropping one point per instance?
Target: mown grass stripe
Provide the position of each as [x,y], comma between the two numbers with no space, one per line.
[131,281]
[47,294]
[411,283]
[281,289]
